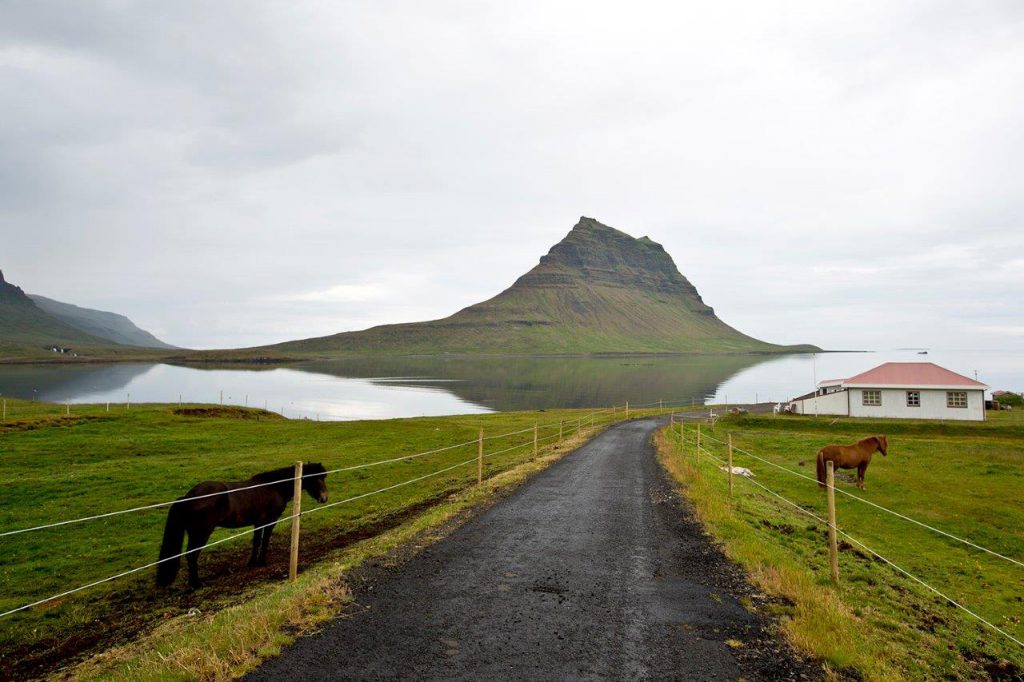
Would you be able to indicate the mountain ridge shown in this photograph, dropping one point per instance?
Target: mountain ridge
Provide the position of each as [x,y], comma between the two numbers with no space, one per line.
[28,333]
[11,294]
[23,323]
[100,323]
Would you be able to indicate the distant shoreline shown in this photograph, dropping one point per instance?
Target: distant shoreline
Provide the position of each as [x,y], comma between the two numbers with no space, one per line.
[220,357]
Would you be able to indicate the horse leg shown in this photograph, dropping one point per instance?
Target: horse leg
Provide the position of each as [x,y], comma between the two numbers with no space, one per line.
[197,538]
[256,538]
[861,468]
[262,560]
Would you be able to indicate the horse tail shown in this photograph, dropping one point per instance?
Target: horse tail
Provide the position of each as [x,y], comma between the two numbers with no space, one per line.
[821,468]
[174,535]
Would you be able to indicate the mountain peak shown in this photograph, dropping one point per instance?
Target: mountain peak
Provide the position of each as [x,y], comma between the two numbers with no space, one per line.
[593,226]
[596,254]
[13,295]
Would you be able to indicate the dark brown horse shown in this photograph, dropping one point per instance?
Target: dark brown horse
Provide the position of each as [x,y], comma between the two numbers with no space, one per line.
[244,505]
[856,456]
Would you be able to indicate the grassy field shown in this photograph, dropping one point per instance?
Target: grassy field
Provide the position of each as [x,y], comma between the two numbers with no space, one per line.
[963,478]
[58,466]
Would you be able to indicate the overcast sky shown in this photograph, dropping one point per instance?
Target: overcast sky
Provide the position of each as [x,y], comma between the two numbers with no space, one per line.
[238,173]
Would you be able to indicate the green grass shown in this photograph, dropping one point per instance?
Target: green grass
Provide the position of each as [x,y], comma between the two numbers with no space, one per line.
[963,478]
[223,643]
[58,467]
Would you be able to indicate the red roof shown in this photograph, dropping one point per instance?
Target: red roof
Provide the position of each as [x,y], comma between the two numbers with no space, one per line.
[912,374]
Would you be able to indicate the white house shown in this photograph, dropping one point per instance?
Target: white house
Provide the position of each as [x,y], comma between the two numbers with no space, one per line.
[907,390]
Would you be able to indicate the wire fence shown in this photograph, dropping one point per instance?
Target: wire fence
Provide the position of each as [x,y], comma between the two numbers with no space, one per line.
[872,504]
[582,425]
[729,469]
[367,465]
[592,419]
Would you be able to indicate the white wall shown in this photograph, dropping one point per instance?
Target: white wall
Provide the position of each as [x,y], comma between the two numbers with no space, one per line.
[832,404]
[933,405]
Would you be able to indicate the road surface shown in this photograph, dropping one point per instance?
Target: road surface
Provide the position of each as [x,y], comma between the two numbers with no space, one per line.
[594,569]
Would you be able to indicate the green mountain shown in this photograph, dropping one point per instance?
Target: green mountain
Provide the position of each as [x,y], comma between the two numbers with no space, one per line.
[23,323]
[29,334]
[110,326]
[599,290]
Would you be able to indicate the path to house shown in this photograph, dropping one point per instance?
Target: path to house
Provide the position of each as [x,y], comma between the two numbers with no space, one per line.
[593,569]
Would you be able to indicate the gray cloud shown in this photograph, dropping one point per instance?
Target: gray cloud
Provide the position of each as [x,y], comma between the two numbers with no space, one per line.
[829,173]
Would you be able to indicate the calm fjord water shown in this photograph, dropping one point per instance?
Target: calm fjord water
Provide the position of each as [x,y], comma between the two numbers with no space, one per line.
[380,388]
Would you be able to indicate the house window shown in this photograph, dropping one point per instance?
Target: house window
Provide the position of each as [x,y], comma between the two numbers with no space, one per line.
[913,398]
[956,398]
[871,398]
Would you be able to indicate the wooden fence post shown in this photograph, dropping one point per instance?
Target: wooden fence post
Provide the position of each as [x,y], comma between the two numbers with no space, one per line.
[615,412]
[833,546]
[560,422]
[698,443]
[627,409]
[480,458]
[535,439]
[67,407]
[730,465]
[661,405]
[293,562]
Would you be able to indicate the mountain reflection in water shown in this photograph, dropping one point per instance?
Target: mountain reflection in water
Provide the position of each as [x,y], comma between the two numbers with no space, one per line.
[361,388]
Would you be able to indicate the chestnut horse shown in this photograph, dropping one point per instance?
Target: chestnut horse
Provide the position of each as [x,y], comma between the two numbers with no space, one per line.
[856,456]
[258,502]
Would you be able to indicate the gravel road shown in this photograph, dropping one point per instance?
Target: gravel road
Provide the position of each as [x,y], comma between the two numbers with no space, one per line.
[594,569]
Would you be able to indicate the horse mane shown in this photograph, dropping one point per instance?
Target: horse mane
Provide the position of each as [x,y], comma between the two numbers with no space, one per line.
[869,438]
[284,473]
[288,473]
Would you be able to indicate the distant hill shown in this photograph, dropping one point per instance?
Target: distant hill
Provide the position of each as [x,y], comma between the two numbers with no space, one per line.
[28,334]
[110,326]
[598,290]
[22,322]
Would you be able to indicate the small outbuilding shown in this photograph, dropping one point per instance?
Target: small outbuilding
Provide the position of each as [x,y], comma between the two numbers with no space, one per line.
[900,390]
